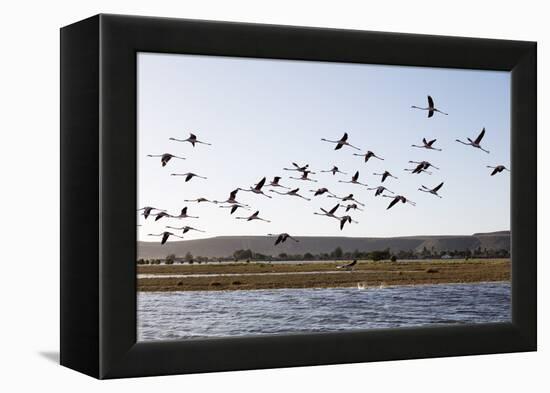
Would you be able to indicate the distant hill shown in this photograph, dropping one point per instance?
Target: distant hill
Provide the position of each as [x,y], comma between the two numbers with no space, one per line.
[492,233]
[223,246]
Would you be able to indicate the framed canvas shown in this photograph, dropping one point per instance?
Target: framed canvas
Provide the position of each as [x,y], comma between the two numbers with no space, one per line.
[239,196]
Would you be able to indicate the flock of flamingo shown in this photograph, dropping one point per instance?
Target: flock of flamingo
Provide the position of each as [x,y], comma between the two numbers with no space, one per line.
[346,202]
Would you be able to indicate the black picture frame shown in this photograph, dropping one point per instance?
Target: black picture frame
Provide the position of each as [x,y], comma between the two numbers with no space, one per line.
[98,195]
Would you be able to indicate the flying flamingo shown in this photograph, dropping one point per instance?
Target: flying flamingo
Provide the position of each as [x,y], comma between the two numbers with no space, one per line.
[353,180]
[427,145]
[344,220]
[329,213]
[298,168]
[275,183]
[165,236]
[186,229]
[232,199]
[161,214]
[321,191]
[148,209]
[281,238]
[234,207]
[199,200]
[342,142]
[192,140]
[380,190]
[497,169]
[291,193]
[184,214]
[431,108]
[352,206]
[398,198]
[257,189]
[334,171]
[188,176]
[252,217]
[164,158]
[348,266]
[304,177]
[385,175]
[347,198]
[421,167]
[368,155]
[477,142]
[432,191]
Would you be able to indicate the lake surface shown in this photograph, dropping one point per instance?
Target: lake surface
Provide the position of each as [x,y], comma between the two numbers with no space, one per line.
[199,314]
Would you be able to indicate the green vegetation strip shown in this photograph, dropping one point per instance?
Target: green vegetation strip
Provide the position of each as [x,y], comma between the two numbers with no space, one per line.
[366,273]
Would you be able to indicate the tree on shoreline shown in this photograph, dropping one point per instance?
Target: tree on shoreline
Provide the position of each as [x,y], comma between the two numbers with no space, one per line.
[169,260]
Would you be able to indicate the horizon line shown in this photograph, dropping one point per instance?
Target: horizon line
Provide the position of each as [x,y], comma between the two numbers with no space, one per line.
[323,236]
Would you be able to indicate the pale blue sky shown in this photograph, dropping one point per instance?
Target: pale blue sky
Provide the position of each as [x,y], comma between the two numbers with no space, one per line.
[260,115]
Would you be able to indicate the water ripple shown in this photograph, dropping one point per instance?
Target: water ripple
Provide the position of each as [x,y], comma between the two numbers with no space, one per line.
[198,314]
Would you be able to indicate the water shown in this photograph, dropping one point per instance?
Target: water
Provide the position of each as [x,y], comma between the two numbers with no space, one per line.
[198,314]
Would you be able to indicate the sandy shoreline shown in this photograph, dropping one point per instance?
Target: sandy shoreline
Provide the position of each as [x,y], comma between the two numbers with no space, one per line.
[318,275]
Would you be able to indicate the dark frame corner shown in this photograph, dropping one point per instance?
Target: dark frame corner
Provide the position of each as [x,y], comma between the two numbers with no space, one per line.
[98,163]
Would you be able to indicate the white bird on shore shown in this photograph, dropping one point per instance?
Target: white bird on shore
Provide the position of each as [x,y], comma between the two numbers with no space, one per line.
[192,140]
[431,108]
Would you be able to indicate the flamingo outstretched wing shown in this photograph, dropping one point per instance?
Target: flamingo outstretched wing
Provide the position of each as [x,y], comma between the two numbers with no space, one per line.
[480,136]
[392,203]
[260,184]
